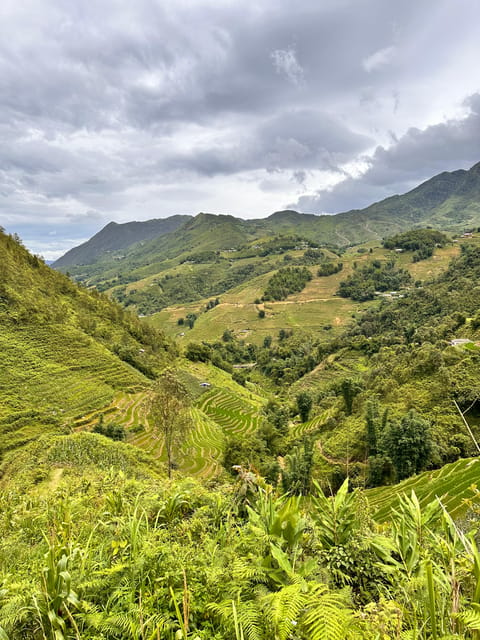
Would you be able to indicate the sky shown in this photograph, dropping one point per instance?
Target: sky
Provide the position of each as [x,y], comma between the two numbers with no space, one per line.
[121,110]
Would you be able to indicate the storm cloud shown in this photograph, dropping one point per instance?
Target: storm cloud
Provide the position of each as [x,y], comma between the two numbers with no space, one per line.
[121,111]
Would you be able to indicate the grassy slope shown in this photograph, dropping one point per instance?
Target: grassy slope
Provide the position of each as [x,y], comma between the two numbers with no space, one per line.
[455,484]
[314,308]
[55,341]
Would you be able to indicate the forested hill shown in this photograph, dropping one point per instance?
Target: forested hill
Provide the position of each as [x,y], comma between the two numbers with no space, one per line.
[65,351]
[448,201]
[116,237]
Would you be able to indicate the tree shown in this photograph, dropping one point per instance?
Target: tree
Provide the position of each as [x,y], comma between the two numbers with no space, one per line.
[267,341]
[228,335]
[297,474]
[372,419]
[408,444]
[304,405]
[191,317]
[349,388]
[168,411]
[198,352]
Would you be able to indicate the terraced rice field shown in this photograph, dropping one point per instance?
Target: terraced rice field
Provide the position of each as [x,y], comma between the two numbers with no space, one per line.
[54,374]
[316,423]
[217,414]
[130,411]
[56,367]
[203,448]
[452,484]
[230,412]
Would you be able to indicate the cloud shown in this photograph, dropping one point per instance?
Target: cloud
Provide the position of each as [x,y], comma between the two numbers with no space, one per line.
[147,109]
[285,61]
[410,159]
[378,59]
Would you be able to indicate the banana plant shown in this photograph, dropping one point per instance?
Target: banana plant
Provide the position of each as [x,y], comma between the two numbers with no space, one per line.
[337,517]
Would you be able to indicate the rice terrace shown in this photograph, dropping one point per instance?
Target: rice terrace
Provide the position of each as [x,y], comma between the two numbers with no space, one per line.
[239,320]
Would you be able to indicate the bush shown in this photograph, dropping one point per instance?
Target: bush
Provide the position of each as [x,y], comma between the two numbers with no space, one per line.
[329,268]
[286,281]
[374,276]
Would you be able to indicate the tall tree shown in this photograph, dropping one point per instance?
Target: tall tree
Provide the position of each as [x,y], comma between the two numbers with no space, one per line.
[168,411]
[304,405]
[297,474]
[372,419]
[349,389]
[408,444]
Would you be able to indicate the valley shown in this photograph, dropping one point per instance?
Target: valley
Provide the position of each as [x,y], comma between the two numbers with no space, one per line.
[327,401]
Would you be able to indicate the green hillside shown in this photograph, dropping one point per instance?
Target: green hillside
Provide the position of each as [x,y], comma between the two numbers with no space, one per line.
[319,395]
[116,237]
[66,351]
[209,254]
[454,484]
[316,308]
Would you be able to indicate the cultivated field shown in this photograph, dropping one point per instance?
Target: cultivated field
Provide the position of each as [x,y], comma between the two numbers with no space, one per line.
[455,485]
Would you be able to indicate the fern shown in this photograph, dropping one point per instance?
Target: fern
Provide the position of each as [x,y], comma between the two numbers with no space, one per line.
[127,623]
[244,618]
[283,609]
[471,619]
[327,617]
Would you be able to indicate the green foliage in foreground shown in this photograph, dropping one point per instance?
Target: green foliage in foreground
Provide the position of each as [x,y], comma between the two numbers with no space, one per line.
[103,552]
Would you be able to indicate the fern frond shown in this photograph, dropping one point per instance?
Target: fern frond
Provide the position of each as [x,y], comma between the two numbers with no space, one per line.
[244,618]
[471,619]
[283,609]
[327,617]
[250,621]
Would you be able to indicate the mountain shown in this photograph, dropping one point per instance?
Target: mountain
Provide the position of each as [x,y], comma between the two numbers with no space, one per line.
[115,237]
[209,254]
[66,351]
[92,531]
[448,201]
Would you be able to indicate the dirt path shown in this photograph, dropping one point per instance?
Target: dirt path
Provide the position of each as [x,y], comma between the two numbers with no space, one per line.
[340,235]
[327,458]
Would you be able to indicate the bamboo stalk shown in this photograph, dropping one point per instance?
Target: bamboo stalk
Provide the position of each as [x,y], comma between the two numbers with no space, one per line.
[462,415]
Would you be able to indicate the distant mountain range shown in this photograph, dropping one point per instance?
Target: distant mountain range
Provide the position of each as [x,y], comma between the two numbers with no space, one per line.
[115,237]
[448,201]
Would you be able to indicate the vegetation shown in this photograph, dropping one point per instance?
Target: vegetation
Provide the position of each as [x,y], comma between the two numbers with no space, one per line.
[421,241]
[67,351]
[285,282]
[329,268]
[168,412]
[114,554]
[375,276]
[293,527]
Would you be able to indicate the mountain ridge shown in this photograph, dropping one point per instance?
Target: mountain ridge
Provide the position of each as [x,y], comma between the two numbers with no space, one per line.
[115,236]
[448,201]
